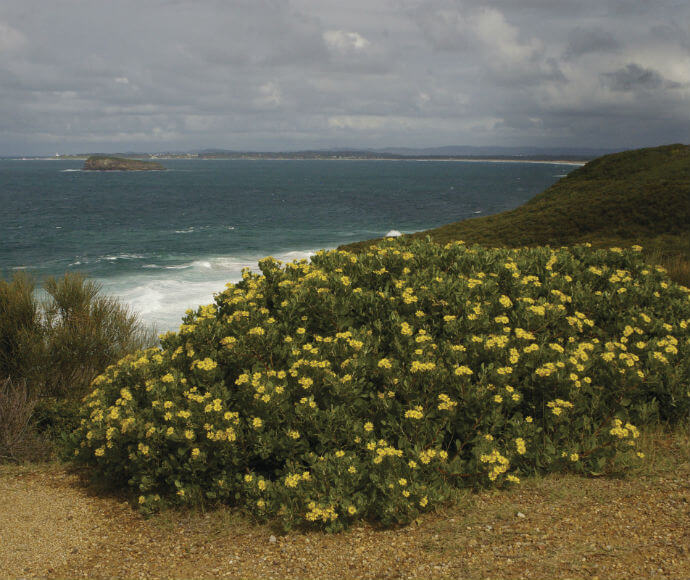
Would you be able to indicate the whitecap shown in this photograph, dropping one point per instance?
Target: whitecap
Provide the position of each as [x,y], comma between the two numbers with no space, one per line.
[120,257]
[161,293]
[393,234]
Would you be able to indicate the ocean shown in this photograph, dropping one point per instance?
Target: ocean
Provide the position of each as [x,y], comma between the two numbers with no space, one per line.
[165,241]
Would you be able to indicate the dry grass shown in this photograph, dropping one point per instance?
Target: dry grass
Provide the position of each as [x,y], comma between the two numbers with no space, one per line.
[18,441]
[573,527]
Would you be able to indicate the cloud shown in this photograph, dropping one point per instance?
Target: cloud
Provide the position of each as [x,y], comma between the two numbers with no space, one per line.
[282,74]
[634,77]
[11,39]
[582,41]
[345,41]
[269,95]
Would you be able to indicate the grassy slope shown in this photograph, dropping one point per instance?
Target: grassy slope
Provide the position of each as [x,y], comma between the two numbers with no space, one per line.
[640,196]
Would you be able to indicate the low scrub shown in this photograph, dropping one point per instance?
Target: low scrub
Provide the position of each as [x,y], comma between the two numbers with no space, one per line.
[50,351]
[58,346]
[372,385]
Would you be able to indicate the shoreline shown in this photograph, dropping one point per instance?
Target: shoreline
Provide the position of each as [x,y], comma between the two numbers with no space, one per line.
[572,162]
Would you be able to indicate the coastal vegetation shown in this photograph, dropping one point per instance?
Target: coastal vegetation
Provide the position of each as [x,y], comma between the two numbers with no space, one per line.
[50,351]
[372,385]
[105,163]
[635,197]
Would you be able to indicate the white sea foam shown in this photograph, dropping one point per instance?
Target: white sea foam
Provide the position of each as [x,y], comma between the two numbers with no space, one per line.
[121,257]
[161,294]
[393,234]
[69,170]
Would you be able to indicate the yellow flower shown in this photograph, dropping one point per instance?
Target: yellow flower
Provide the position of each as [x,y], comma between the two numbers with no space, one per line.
[205,365]
[415,413]
[257,423]
[368,426]
[463,371]
[520,445]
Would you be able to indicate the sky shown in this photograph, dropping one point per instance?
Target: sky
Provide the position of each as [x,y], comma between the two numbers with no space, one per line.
[271,75]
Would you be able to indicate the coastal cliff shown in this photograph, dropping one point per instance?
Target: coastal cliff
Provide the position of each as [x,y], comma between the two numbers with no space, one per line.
[103,163]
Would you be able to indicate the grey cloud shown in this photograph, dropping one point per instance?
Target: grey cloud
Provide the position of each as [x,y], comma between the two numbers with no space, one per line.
[279,74]
[634,77]
[583,41]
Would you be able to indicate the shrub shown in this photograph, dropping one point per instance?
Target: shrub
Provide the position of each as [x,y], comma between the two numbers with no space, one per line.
[59,346]
[86,331]
[371,385]
[51,351]
[21,331]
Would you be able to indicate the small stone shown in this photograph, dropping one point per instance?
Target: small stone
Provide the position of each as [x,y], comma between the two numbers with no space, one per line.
[520,515]
[272,539]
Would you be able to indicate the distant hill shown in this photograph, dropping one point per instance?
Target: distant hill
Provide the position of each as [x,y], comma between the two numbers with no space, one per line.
[500,152]
[639,196]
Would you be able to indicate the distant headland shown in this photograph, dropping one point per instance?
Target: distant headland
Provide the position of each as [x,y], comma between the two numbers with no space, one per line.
[104,163]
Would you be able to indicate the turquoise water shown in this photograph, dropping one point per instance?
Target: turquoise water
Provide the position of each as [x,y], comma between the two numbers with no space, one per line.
[166,241]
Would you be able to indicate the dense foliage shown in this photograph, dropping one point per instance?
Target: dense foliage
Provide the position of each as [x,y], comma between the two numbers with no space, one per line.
[371,385]
[640,196]
[51,350]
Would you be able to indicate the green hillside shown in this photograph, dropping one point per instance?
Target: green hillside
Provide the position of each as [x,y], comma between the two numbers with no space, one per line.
[635,197]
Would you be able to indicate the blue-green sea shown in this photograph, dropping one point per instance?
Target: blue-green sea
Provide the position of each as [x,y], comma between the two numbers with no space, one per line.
[165,241]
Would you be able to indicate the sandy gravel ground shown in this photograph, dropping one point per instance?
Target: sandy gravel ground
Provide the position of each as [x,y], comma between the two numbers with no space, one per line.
[554,527]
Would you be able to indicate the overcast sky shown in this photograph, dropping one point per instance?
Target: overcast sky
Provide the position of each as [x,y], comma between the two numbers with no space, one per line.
[155,75]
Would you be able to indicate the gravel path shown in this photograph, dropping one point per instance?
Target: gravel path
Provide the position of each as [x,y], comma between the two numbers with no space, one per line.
[554,527]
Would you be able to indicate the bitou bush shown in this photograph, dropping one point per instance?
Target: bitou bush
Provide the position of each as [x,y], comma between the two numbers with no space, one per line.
[372,385]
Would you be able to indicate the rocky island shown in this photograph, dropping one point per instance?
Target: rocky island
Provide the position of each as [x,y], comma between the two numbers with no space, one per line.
[104,163]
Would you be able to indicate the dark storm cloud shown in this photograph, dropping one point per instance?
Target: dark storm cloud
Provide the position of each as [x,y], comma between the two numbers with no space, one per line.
[634,77]
[278,74]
